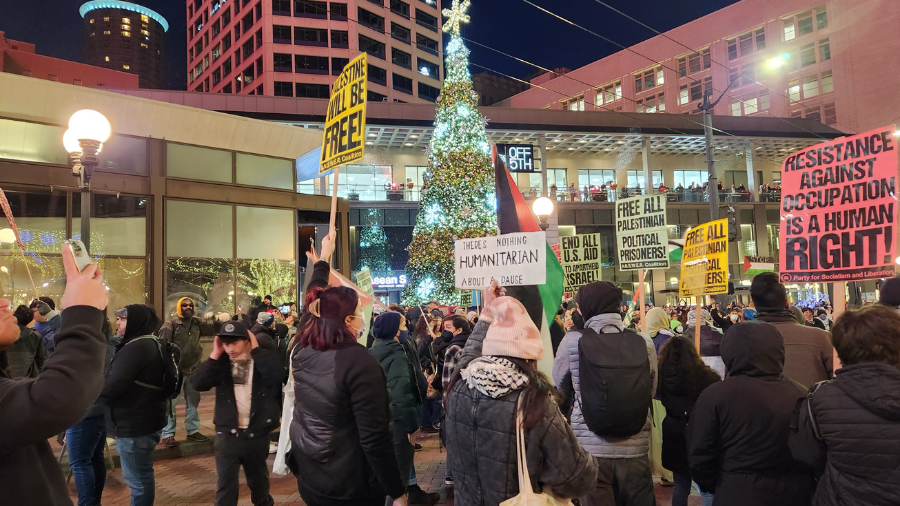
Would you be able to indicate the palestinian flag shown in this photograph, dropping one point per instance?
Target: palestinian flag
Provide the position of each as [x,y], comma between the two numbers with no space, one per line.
[542,301]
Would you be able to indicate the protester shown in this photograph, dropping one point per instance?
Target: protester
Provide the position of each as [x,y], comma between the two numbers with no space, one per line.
[266,306]
[890,293]
[659,330]
[33,410]
[812,321]
[623,475]
[434,309]
[710,337]
[26,356]
[822,316]
[738,430]
[46,323]
[244,374]
[431,405]
[808,353]
[340,435]
[658,327]
[402,389]
[682,377]
[136,400]
[460,330]
[185,330]
[264,331]
[848,428]
[484,397]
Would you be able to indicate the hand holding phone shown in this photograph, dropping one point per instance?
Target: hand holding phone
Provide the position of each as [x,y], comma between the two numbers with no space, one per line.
[84,285]
[82,257]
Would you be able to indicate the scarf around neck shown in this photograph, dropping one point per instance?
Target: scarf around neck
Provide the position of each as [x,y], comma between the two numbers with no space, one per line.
[494,376]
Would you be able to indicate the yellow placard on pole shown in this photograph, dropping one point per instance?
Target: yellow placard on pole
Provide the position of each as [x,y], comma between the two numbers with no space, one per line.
[704,261]
[344,139]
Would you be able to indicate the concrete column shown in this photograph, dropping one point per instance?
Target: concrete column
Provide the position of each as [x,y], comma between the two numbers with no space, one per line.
[751,174]
[542,143]
[323,185]
[645,158]
[762,233]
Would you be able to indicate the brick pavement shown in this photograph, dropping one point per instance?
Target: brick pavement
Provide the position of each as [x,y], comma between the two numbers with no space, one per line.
[192,480]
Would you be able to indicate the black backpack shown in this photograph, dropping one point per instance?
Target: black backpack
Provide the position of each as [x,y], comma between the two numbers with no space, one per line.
[615,382]
[173,378]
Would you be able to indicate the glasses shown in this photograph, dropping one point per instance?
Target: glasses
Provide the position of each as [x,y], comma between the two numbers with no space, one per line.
[187,305]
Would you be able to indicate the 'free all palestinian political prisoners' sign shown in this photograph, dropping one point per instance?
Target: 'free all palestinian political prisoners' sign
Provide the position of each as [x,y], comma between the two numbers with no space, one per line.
[838,209]
[642,238]
[704,261]
[513,259]
[343,140]
[580,259]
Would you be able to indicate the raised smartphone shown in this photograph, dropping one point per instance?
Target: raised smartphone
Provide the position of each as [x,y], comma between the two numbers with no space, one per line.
[82,257]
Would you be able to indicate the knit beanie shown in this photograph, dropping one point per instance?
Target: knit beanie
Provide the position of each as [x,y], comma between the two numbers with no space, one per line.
[512,333]
[890,292]
[386,326]
[264,318]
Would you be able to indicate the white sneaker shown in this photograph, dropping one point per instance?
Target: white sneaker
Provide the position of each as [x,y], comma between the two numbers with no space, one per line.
[273,447]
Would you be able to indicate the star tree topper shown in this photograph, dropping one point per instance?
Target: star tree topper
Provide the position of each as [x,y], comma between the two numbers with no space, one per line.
[456,15]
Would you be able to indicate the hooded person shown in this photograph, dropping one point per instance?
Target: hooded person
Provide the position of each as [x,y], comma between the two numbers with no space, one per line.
[738,431]
[890,293]
[402,387]
[137,403]
[264,330]
[659,327]
[185,330]
[624,474]
[710,337]
[496,379]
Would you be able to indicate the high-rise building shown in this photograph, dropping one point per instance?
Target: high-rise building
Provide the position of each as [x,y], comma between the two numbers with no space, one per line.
[493,88]
[294,48]
[125,36]
[820,59]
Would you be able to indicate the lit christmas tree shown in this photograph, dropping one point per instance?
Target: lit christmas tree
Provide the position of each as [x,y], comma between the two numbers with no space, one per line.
[373,247]
[458,200]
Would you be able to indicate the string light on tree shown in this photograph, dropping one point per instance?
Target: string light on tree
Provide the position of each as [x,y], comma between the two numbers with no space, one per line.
[458,200]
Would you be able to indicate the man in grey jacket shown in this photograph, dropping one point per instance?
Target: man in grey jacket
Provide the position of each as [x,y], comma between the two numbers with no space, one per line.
[623,464]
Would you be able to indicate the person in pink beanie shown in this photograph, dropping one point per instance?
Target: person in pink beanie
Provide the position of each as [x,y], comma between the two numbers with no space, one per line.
[496,376]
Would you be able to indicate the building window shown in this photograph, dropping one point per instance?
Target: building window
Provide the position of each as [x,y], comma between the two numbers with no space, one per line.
[282,62]
[281,34]
[379,3]
[426,68]
[105,32]
[400,7]
[827,82]
[371,46]
[338,11]
[226,67]
[377,75]
[426,44]
[428,93]
[247,22]
[651,104]
[743,45]
[609,93]
[824,50]
[226,42]
[106,58]
[311,36]
[687,178]
[810,86]
[340,39]
[805,24]
[126,34]
[247,48]
[106,19]
[574,103]
[310,9]
[400,32]
[830,114]
[126,67]
[745,105]
[748,74]
[789,33]
[338,64]
[683,97]
[636,178]
[594,177]
[648,79]
[91,21]
[682,66]
[305,64]
[283,89]
[402,83]
[226,16]
[402,59]
[281,7]
[305,90]
[821,18]
[808,55]
[426,20]
[216,76]
[371,20]
[372,96]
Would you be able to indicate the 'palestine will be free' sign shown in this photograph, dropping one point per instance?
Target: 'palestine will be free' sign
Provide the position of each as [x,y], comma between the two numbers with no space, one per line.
[641,234]
[838,209]
[344,139]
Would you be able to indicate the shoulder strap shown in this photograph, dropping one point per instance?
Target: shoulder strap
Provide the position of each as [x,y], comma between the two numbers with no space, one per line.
[522,460]
[809,408]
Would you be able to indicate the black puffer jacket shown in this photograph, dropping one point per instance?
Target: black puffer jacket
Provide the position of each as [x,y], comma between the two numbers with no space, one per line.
[341,428]
[738,430]
[858,416]
[265,336]
[393,359]
[265,400]
[481,445]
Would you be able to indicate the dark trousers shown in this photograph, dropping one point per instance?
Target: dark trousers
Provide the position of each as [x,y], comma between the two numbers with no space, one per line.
[622,482]
[431,412]
[233,452]
[86,441]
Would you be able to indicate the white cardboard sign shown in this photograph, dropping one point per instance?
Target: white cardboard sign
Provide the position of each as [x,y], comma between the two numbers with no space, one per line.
[513,259]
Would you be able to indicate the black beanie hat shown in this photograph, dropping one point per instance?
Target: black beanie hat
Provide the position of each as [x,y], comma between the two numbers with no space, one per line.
[599,297]
[386,325]
[890,292]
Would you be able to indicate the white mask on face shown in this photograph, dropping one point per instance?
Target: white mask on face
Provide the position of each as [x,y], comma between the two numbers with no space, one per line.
[734,317]
[679,329]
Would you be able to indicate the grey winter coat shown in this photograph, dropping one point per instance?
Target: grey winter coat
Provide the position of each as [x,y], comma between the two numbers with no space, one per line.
[565,368]
[481,444]
[26,355]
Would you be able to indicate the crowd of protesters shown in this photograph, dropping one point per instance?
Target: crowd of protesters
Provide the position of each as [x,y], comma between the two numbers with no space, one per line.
[756,413]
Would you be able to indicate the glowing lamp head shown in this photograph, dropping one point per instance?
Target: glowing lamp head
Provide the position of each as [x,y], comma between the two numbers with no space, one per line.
[542,206]
[778,61]
[7,235]
[897,260]
[70,142]
[90,124]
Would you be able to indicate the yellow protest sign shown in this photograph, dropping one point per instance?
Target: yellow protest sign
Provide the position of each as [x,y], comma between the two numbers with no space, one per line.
[704,261]
[345,122]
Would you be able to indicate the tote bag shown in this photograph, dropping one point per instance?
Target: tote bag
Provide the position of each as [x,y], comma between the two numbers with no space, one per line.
[527,496]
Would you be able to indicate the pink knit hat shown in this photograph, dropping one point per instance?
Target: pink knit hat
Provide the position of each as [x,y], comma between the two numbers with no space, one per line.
[512,333]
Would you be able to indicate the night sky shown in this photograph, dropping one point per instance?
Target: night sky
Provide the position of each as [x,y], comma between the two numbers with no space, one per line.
[512,26]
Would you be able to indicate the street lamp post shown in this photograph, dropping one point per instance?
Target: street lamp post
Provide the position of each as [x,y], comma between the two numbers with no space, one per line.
[543,208]
[707,108]
[88,130]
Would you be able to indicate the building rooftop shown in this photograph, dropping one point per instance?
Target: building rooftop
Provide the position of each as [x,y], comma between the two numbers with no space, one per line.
[128,6]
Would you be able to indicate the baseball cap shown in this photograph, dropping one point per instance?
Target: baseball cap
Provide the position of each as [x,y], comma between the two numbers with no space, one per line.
[121,313]
[235,329]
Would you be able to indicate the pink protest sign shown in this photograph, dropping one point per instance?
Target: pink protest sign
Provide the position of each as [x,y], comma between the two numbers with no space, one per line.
[839,209]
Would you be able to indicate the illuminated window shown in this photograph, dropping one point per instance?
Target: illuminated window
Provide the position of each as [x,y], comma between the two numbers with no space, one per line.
[92,34]
[106,58]
[145,45]
[126,67]
[126,34]
[145,32]
[106,18]
[91,21]
[127,21]
[105,32]
[126,27]
[145,19]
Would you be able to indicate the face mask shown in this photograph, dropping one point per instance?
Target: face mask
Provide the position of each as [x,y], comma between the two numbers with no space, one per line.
[734,317]
[679,329]
[404,335]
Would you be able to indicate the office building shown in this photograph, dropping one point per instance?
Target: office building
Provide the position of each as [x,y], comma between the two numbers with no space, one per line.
[294,48]
[125,36]
[825,60]
[493,88]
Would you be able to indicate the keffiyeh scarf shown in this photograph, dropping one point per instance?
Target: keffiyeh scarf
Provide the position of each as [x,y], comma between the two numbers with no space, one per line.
[494,376]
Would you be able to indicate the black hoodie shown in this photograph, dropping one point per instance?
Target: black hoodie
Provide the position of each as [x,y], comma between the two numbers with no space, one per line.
[136,410]
[738,430]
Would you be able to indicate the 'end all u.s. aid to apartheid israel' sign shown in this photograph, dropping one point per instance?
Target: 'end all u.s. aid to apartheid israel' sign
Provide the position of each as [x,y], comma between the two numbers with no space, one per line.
[517,259]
